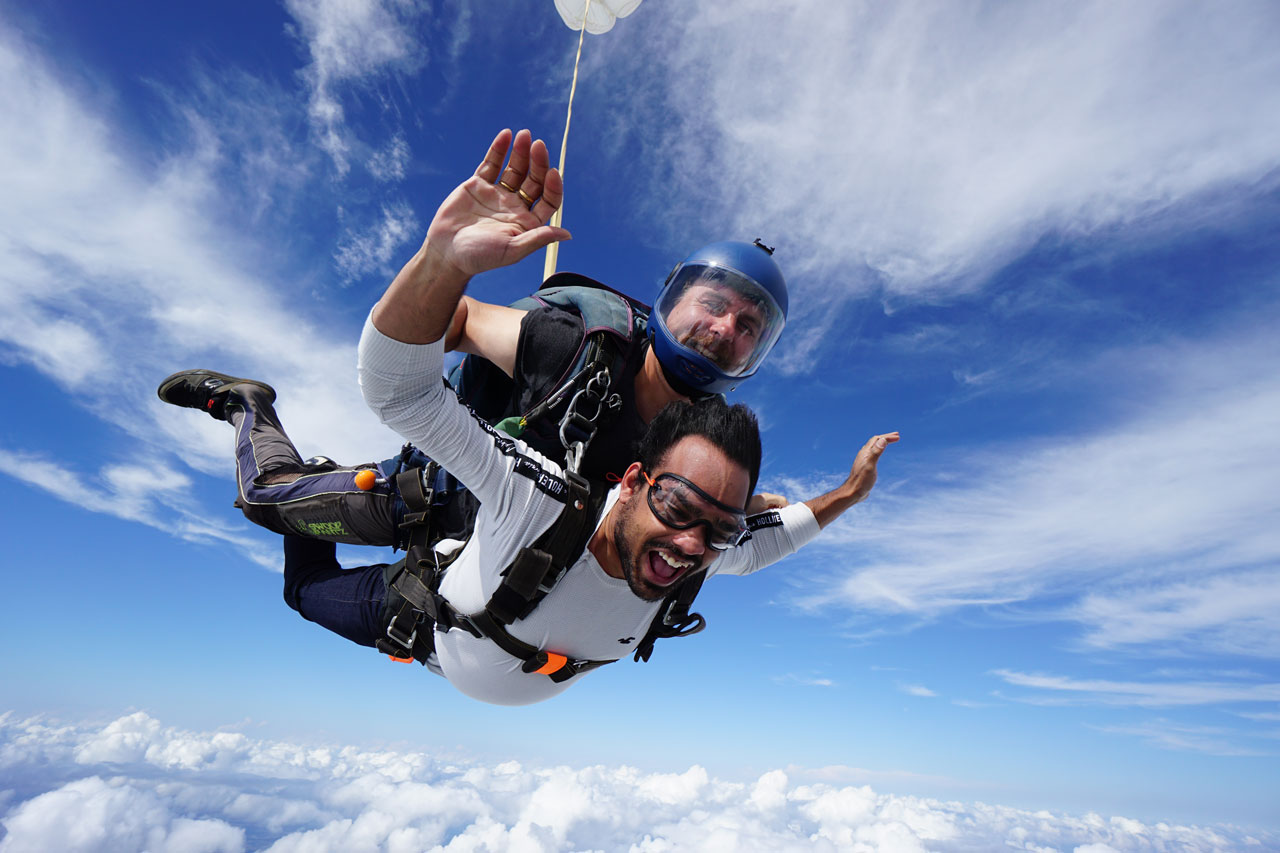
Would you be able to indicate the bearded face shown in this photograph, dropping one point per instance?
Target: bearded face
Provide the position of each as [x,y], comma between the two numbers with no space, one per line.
[718,323]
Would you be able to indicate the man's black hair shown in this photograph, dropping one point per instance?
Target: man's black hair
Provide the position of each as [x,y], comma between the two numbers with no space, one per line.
[733,429]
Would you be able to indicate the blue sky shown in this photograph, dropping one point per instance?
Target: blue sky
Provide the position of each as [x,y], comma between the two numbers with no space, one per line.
[1038,239]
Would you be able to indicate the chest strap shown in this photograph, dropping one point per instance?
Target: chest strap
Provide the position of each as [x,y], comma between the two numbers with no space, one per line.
[415,608]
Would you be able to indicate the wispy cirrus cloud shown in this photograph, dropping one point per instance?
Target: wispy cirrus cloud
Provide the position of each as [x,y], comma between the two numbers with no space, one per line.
[918,690]
[1158,530]
[1211,740]
[915,148]
[804,679]
[146,491]
[116,271]
[372,250]
[351,44]
[1143,694]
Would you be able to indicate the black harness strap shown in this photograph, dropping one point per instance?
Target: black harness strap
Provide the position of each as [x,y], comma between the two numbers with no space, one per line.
[408,611]
[533,574]
[415,609]
[674,618]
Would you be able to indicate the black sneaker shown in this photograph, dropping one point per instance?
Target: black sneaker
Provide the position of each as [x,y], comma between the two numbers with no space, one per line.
[205,390]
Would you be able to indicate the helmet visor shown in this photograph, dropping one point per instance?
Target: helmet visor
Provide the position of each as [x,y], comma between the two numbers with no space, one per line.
[722,315]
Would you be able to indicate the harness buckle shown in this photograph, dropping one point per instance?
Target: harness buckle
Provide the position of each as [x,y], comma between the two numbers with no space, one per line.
[402,638]
[451,618]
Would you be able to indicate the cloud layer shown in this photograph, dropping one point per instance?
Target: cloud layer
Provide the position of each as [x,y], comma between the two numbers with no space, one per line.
[137,784]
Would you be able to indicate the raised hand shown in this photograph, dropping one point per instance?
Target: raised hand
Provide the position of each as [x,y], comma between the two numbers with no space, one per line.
[494,218]
[862,476]
[498,216]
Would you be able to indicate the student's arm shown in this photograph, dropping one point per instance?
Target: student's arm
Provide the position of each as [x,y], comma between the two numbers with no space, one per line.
[481,226]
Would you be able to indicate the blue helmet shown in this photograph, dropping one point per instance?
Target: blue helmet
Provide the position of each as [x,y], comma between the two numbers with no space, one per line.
[719,313]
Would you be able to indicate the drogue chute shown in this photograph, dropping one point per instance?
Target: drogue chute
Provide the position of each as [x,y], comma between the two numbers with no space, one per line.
[598,15]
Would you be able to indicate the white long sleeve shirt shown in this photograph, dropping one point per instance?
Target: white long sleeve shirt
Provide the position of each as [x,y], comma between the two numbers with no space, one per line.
[588,614]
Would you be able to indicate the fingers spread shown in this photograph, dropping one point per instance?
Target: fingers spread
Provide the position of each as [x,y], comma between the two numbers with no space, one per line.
[518,165]
[491,166]
[539,163]
[552,192]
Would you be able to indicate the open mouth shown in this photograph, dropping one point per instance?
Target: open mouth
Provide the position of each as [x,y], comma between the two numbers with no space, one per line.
[665,568]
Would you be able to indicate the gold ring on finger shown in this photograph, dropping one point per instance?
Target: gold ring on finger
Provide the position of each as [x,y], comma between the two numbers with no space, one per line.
[506,186]
[526,198]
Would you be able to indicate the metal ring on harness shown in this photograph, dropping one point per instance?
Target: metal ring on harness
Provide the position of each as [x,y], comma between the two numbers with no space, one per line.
[592,395]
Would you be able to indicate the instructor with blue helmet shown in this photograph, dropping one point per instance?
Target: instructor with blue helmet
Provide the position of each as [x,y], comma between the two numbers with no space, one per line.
[719,314]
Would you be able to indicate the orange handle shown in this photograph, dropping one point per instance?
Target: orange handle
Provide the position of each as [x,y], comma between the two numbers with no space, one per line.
[554,663]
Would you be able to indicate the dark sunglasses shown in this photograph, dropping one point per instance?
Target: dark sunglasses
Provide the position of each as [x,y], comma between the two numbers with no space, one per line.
[680,504]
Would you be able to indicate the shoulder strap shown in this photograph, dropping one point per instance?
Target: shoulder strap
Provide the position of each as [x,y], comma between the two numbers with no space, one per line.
[534,573]
[600,306]
[538,567]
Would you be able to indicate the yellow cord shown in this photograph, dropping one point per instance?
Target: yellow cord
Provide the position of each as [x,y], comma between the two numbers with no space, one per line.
[553,251]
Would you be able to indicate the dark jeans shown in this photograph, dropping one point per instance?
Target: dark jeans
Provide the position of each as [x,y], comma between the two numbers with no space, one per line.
[321,505]
[346,601]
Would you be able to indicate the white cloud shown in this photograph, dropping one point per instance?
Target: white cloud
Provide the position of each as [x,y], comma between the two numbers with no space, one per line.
[153,495]
[1144,693]
[135,783]
[1159,531]
[917,690]
[111,814]
[349,41]
[1211,740]
[804,679]
[921,146]
[115,271]
[389,163]
[373,249]
[1263,716]
[122,257]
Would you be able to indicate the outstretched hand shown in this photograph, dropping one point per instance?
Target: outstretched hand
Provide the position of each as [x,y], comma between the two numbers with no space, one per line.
[498,216]
[862,476]
[765,501]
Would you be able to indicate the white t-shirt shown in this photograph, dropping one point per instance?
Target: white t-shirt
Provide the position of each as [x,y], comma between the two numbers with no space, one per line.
[588,614]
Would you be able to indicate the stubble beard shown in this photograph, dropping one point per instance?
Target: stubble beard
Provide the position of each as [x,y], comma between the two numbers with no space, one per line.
[715,349]
[622,540]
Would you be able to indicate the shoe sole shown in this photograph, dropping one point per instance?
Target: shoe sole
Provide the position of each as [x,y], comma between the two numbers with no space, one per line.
[226,381]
